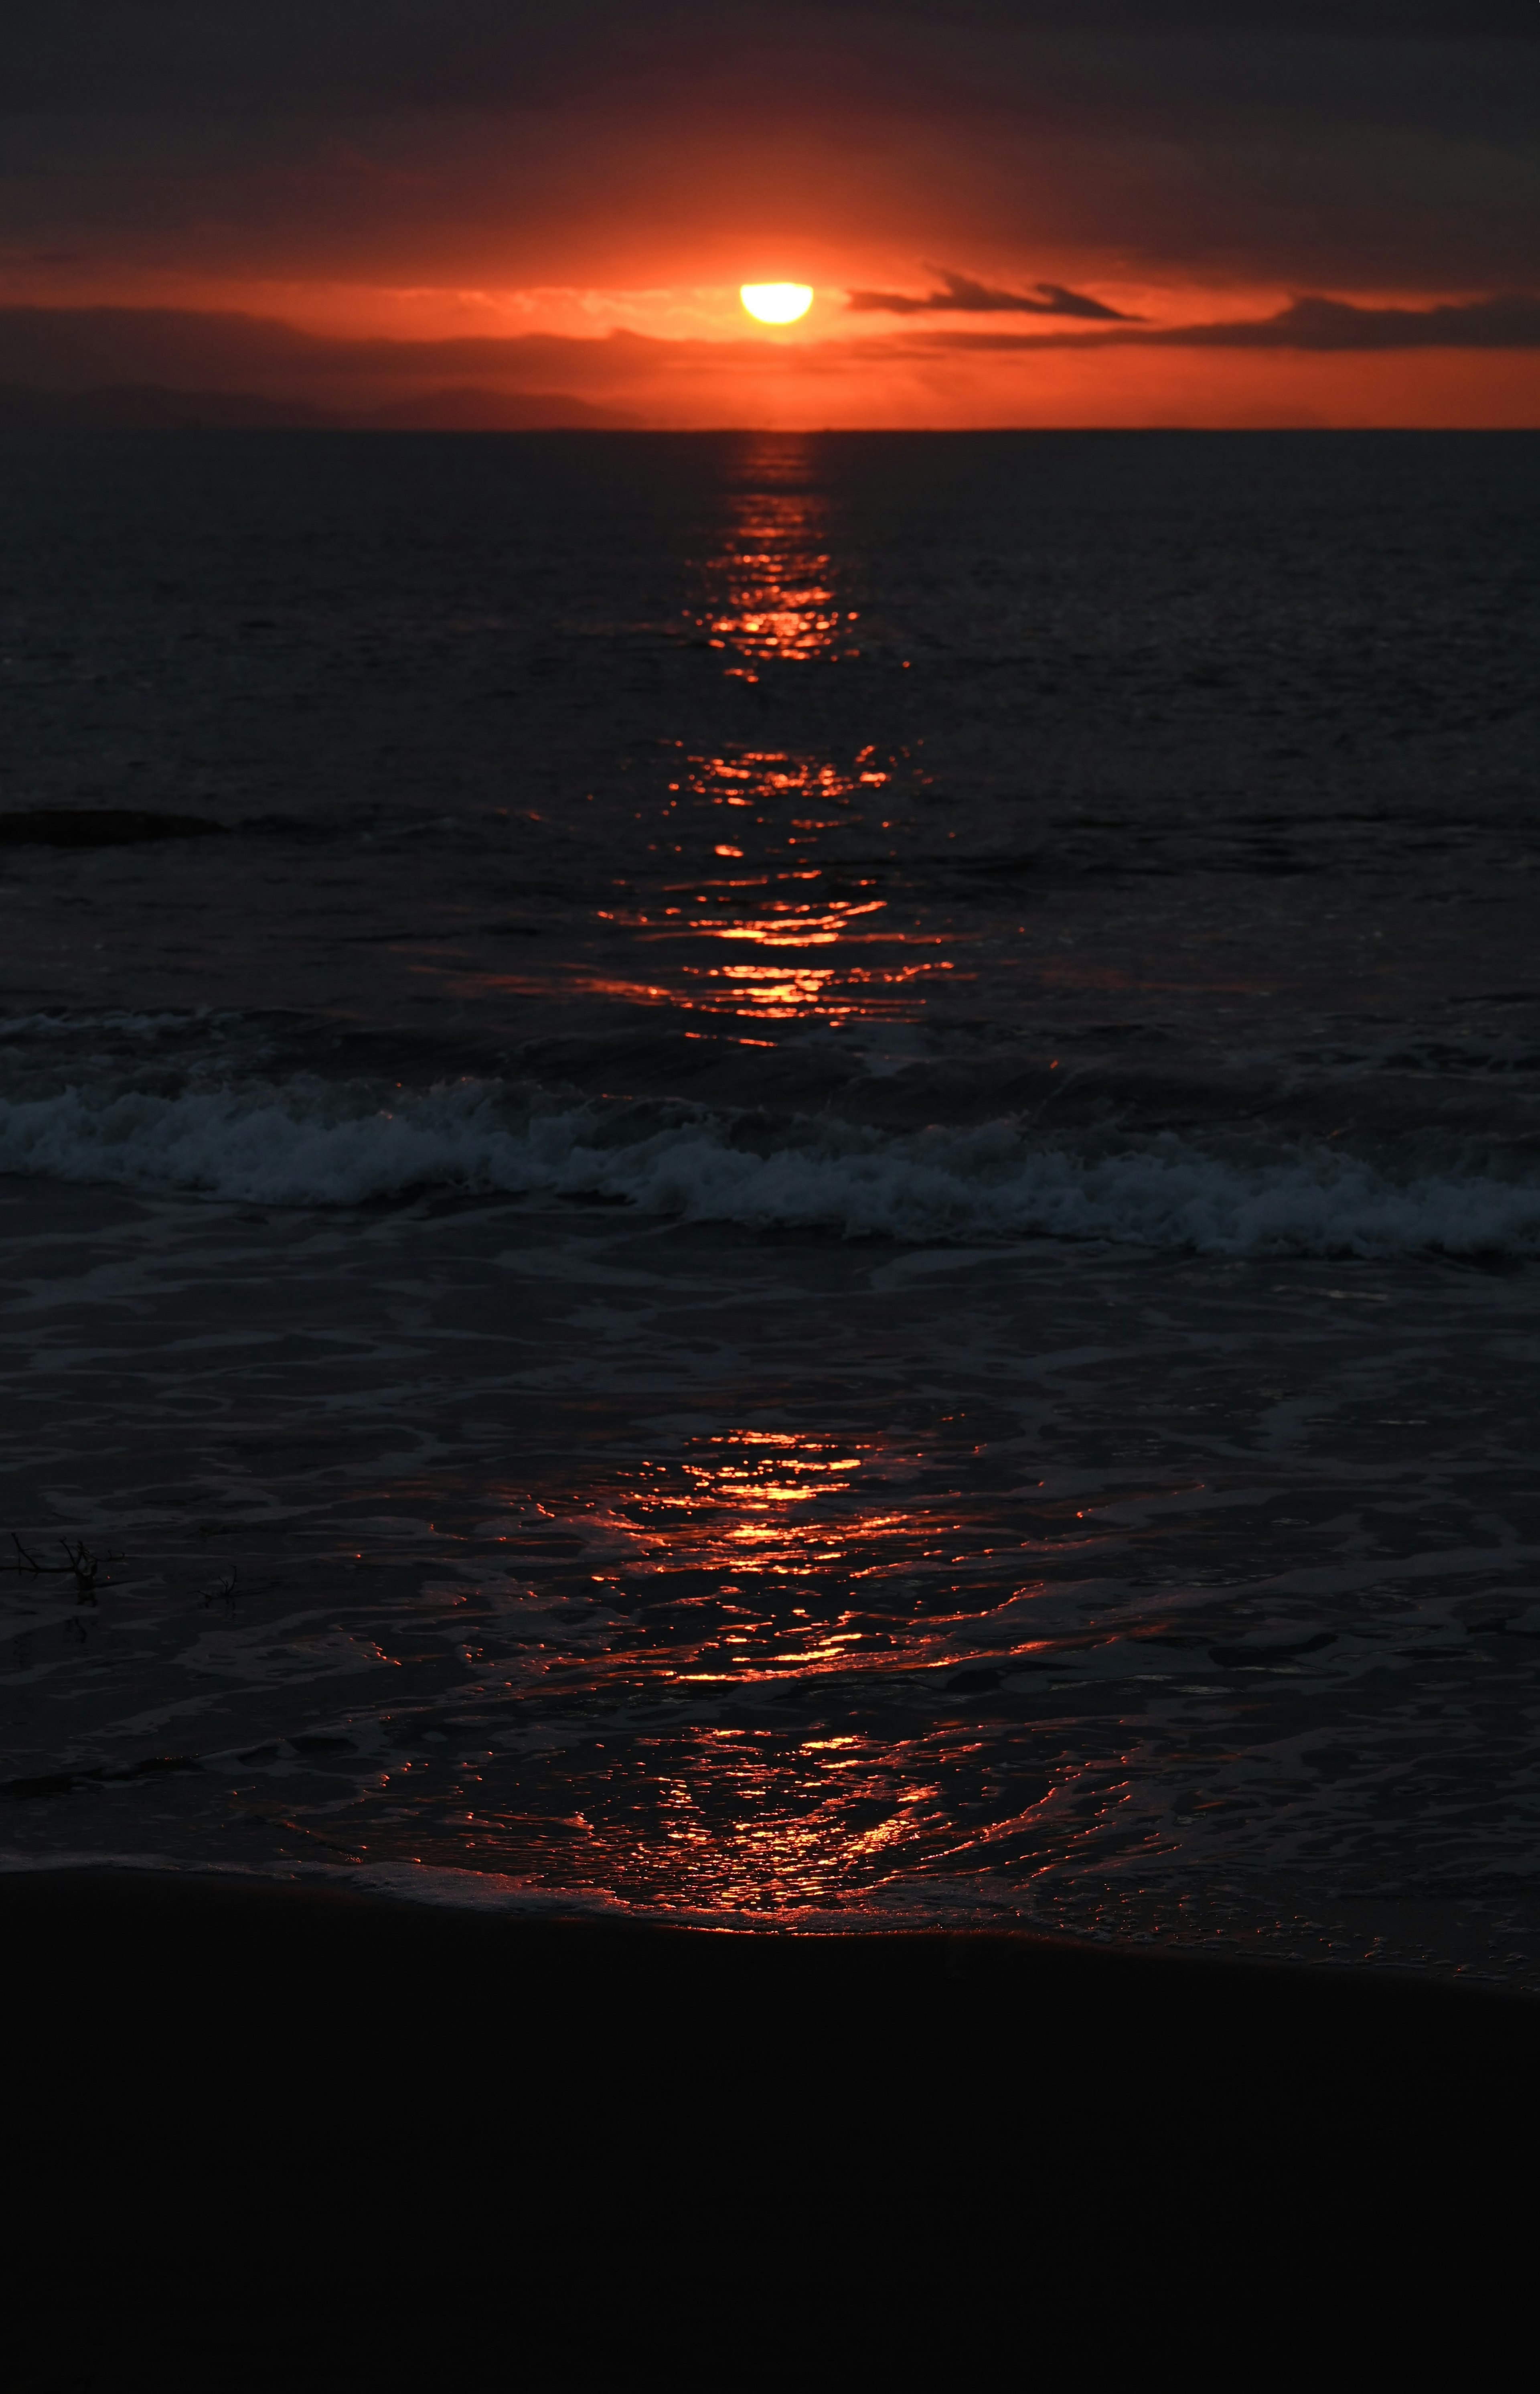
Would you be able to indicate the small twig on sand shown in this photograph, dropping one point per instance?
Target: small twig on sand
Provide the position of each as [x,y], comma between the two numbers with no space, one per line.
[80,1564]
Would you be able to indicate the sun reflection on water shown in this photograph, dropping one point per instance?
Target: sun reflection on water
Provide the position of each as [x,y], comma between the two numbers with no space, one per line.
[883,971]
[746,1820]
[813,879]
[771,595]
[770,590]
[729,1819]
[772,1670]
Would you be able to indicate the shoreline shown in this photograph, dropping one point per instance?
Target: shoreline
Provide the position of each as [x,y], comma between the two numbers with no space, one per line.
[90,1900]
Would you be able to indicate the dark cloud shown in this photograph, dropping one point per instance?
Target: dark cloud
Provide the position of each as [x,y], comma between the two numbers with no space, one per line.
[1509,320]
[1376,145]
[960,295]
[83,348]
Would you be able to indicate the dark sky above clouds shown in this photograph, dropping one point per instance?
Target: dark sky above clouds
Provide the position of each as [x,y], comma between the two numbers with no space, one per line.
[124,55]
[1337,141]
[1156,159]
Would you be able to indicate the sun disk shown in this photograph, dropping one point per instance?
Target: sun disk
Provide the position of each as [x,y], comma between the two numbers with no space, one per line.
[777,303]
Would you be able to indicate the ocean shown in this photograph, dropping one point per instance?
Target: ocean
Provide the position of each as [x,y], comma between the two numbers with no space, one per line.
[786,1181]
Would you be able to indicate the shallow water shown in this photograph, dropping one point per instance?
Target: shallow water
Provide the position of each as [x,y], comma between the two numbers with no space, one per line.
[821,1210]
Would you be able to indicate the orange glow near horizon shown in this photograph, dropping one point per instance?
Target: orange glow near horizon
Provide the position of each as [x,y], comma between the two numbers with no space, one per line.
[679,353]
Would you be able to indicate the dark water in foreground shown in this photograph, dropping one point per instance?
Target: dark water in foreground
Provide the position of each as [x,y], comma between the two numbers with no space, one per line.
[822,1204]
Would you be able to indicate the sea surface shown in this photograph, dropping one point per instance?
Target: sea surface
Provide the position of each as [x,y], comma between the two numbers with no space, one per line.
[791,1180]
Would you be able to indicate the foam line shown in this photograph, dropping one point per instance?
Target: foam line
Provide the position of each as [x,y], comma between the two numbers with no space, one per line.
[307,1144]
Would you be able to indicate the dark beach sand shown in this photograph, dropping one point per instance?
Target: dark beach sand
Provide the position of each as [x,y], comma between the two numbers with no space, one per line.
[261,2133]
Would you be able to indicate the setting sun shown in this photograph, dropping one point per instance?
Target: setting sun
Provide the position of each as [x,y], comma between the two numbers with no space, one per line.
[777,303]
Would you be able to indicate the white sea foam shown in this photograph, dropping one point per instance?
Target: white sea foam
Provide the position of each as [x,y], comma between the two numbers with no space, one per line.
[304,1144]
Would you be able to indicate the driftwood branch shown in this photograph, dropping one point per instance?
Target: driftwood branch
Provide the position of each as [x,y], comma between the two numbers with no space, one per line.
[80,1564]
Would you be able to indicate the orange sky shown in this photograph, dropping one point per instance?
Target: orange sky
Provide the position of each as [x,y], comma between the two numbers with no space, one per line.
[583,191]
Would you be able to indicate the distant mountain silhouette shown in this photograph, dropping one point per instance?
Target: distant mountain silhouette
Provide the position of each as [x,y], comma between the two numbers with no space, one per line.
[167,368]
[150,407]
[470,410]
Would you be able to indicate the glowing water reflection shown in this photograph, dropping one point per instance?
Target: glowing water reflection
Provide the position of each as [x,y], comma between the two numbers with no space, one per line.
[662,1632]
[770,587]
[805,835]
[770,782]
[883,972]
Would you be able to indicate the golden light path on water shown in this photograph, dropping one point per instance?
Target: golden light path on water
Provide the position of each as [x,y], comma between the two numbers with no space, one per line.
[770,589]
[766,1570]
[765,1567]
[843,953]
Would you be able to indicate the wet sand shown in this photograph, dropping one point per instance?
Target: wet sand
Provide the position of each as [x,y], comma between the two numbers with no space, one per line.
[271,2129]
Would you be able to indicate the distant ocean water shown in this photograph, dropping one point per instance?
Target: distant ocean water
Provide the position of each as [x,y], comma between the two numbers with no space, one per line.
[728,1153]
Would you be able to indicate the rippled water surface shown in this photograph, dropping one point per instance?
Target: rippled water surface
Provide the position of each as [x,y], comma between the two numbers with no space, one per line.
[787,1179]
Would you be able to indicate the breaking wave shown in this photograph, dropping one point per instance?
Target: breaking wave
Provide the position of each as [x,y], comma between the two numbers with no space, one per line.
[310,1143]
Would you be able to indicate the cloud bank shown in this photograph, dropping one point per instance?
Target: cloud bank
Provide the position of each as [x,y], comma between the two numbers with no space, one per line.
[1509,321]
[74,349]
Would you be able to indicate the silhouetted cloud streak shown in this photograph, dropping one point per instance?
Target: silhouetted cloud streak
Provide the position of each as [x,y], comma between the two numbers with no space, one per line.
[960,295]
